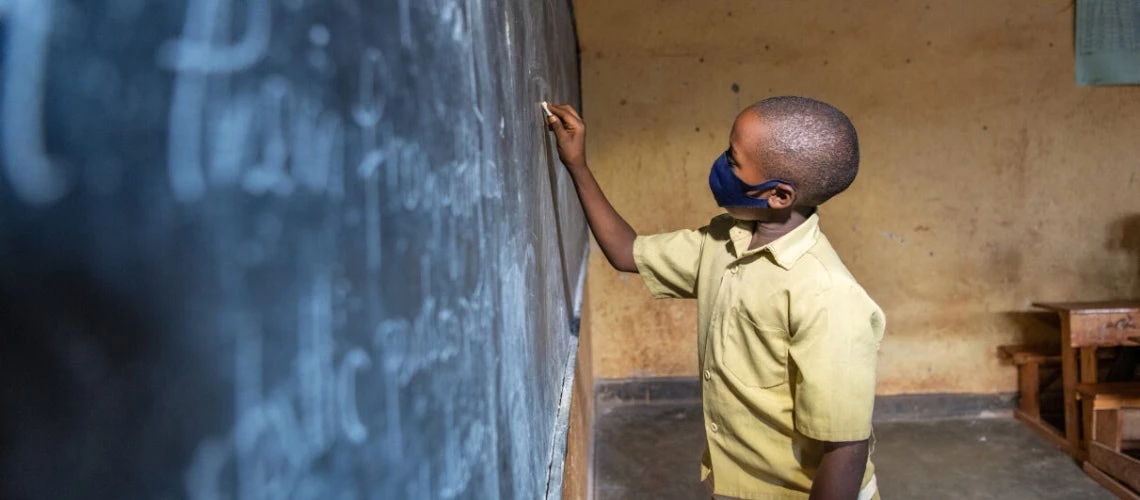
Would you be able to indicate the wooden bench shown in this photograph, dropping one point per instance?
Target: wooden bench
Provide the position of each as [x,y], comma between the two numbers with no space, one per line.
[1110,427]
[1029,359]
[1113,429]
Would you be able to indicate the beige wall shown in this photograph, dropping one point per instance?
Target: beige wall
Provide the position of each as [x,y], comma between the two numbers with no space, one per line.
[989,180]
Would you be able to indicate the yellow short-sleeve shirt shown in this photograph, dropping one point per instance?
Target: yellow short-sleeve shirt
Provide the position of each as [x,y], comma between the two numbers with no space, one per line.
[788,347]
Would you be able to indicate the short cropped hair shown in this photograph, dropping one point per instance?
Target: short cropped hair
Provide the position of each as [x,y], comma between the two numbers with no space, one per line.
[810,143]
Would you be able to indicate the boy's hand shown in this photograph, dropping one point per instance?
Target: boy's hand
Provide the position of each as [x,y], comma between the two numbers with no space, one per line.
[570,131]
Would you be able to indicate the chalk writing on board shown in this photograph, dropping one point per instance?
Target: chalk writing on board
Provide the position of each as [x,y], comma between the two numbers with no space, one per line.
[515,293]
[406,23]
[270,173]
[271,143]
[369,108]
[542,87]
[197,50]
[281,433]
[450,18]
[356,360]
[277,437]
[367,113]
[34,177]
[268,143]
[368,171]
[229,134]
[194,57]
[408,349]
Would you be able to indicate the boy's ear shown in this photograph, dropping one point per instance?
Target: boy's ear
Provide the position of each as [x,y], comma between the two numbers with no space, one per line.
[782,196]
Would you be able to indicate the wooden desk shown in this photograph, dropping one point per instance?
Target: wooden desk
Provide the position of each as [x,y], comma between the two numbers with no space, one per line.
[1085,326]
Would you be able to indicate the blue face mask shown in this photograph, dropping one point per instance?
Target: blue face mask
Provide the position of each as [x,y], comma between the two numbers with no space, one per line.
[731,192]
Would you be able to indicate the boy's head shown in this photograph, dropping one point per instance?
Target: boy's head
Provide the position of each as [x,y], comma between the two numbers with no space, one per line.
[809,146]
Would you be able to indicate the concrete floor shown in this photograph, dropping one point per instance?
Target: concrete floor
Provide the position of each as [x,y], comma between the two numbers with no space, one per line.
[653,451]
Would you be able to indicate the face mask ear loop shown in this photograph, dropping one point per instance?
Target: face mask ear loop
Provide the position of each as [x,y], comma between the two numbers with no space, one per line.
[764,186]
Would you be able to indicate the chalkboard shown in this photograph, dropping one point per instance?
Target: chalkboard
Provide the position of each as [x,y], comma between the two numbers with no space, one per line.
[270,249]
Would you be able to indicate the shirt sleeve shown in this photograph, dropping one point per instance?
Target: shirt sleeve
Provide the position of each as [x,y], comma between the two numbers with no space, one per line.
[668,262]
[835,350]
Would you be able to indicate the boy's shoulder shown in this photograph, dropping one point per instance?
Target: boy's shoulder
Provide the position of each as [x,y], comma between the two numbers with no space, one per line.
[824,263]
[824,282]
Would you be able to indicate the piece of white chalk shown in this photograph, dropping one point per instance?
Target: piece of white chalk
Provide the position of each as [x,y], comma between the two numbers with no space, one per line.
[546,109]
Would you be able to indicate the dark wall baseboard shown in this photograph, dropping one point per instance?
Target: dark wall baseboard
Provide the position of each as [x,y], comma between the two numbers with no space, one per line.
[887,408]
[943,405]
[647,390]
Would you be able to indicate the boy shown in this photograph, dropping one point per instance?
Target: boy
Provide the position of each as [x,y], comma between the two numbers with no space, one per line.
[787,338]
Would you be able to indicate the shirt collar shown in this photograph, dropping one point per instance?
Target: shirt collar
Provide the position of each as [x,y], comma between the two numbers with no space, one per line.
[786,250]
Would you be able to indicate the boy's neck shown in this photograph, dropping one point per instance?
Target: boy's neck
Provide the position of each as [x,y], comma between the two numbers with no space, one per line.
[765,232]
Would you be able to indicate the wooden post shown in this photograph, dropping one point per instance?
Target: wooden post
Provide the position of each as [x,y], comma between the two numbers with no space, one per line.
[1088,376]
[1029,401]
[1069,386]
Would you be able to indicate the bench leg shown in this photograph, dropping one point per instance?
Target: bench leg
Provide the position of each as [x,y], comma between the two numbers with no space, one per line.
[1069,383]
[1029,401]
[1108,427]
[1088,376]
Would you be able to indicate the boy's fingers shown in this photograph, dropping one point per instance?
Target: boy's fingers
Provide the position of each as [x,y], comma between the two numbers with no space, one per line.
[574,112]
[555,124]
[568,109]
[558,111]
[569,122]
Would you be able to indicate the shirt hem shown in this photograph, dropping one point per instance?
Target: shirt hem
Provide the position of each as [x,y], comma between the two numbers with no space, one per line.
[751,495]
[833,436]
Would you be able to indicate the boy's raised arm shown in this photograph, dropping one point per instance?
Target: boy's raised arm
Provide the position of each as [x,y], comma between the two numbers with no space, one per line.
[613,233]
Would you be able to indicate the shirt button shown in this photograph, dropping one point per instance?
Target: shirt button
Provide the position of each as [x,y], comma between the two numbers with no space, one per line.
[708,375]
[734,310]
[713,427]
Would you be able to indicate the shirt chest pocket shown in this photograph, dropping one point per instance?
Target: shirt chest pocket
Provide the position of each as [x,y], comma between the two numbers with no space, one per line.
[754,351]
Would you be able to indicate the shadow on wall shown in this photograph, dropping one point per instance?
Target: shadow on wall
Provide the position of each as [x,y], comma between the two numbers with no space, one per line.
[1124,237]
[1034,327]
[1041,327]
